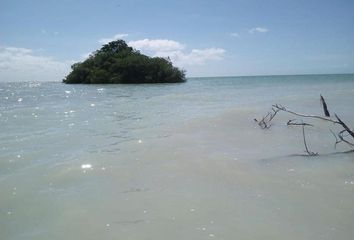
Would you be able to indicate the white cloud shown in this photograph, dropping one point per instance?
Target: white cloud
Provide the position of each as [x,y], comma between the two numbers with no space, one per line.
[195,57]
[16,51]
[156,45]
[176,51]
[234,34]
[115,37]
[21,64]
[258,29]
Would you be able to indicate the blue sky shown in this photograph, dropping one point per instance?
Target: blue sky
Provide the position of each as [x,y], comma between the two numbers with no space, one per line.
[39,40]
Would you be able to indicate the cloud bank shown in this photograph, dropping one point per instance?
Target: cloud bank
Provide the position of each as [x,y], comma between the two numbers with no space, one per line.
[195,57]
[22,64]
[157,45]
[177,52]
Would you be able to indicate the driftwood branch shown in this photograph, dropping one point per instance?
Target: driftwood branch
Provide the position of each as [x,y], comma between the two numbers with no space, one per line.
[265,122]
[336,138]
[293,123]
[305,143]
[324,105]
[347,129]
[340,137]
[284,109]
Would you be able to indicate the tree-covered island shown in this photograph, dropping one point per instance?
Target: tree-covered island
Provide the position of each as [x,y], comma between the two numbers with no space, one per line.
[116,62]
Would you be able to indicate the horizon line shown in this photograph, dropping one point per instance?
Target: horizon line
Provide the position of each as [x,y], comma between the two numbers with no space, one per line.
[274,75]
[222,76]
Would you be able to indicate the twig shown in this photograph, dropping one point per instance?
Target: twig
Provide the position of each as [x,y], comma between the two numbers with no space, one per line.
[265,122]
[335,136]
[344,126]
[341,137]
[291,122]
[272,115]
[307,149]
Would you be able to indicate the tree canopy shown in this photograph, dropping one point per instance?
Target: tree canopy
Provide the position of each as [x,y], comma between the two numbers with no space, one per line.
[116,62]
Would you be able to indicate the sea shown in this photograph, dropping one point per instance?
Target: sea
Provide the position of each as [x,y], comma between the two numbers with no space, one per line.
[176,161]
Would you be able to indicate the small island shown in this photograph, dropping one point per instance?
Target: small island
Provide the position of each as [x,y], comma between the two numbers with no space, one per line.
[117,63]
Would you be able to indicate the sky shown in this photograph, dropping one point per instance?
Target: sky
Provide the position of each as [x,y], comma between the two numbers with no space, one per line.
[40,39]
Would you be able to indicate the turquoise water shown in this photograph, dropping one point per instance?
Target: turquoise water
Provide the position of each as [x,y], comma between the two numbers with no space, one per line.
[173,161]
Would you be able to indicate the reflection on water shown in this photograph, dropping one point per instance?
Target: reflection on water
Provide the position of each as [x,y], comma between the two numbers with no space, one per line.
[182,161]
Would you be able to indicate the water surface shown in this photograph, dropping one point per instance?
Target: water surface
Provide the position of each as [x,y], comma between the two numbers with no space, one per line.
[173,161]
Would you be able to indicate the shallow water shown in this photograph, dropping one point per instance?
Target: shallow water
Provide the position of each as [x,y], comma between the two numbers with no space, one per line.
[180,161]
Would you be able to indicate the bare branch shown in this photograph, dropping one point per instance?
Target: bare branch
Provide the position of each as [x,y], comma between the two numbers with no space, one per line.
[292,122]
[324,105]
[335,136]
[265,122]
[281,108]
[306,148]
[272,115]
[340,137]
[344,126]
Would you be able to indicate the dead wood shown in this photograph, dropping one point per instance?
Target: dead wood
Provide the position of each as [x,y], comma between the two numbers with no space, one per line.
[284,109]
[265,122]
[293,123]
[305,143]
[347,129]
[324,105]
[340,137]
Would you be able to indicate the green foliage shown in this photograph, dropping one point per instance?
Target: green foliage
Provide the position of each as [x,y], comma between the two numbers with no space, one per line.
[116,62]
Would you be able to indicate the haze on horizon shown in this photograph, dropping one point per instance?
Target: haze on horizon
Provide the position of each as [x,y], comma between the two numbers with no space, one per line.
[39,40]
